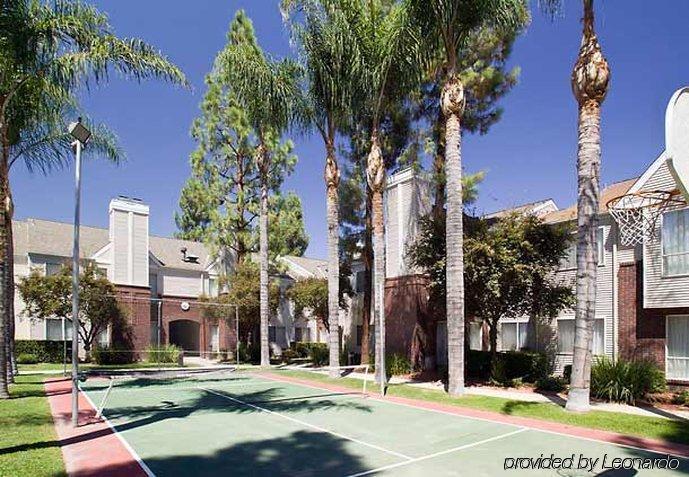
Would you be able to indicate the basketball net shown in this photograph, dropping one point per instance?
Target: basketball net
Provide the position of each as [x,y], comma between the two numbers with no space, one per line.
[637,213]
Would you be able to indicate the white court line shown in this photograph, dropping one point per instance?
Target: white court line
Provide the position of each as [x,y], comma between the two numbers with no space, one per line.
[474,418]
[306,424]
[124,442]
[437,454]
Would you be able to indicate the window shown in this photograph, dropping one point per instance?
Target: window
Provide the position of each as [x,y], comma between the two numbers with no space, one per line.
[53,329]
[360,285]
[476,335]
[359,334]
[52,269]
[213,286]
[103,338]
[566,332]
[677,360]
[600,244]
[271,334]
[299,335]
[569,261]
[215,338]
[675,242]
[514,335]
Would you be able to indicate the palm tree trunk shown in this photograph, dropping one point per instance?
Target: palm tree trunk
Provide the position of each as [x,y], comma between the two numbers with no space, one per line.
[9,296]
[375,173]
[590,85]
[332,181]
[263,256]
[452,103]
[368,282]
[4,318]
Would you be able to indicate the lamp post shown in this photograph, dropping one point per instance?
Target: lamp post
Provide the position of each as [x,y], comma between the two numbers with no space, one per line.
[81,137]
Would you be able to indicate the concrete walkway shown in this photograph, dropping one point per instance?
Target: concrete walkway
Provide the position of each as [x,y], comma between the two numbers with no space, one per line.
[526,396]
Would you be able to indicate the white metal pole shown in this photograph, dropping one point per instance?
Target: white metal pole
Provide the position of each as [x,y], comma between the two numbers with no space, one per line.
[236,331]
[160,320]
[380,296]
[75,289]
[64,347]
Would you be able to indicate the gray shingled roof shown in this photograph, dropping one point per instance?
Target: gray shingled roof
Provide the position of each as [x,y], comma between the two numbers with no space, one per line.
[518,208]
[306,267]
[47,237]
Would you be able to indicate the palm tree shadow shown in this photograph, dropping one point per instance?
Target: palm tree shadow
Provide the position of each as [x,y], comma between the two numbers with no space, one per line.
[301,453]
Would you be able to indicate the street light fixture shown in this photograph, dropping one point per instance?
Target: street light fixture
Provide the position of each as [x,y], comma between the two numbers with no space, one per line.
[81,137]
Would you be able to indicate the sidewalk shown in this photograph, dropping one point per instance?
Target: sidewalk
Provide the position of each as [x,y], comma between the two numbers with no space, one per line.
[556,399]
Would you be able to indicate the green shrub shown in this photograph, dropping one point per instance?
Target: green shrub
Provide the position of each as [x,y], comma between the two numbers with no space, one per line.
[625,381]
[567,373]
[163,354]
[554,384]
[27,358]
[681,398]
[45,351]
[524,365]
[108,355]
[397,364]
[250,353]
[319,354]
[289,354]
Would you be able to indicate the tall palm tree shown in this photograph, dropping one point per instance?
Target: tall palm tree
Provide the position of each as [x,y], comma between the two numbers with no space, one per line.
[590,82]
[269,91]
[332,73]
[446,24]
[56,47]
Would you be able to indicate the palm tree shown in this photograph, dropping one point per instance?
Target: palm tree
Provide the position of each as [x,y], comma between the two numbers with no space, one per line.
[54,48]
[590,81]
[445,25]
[332,80]
[269,91]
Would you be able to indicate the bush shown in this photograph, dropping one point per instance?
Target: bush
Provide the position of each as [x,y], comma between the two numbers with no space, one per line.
[567,373]
[681,398]
[45,351]
[553,384]
[108,355]
[396,364]
[625,381]
[510,365]
[250,354]
[27,358]
[163,354]
[319,354]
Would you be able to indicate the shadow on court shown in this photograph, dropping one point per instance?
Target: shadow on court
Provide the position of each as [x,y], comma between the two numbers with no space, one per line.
[301,454]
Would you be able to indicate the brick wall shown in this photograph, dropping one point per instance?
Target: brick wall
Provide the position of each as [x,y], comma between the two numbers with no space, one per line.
[135,302]
[406,298]
[641,331]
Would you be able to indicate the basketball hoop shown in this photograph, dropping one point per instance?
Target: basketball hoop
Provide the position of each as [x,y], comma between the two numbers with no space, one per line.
[637,213]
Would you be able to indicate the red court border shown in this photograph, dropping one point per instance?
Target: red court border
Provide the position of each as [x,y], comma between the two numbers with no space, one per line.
[658,446]
[93,448]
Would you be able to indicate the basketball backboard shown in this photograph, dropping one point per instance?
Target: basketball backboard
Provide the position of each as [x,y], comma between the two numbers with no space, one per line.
[677,139]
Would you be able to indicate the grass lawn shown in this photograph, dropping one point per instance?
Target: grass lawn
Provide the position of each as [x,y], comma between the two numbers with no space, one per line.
[628,424]
[28,442]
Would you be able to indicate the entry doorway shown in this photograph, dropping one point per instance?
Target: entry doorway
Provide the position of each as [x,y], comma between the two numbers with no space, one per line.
[185,334]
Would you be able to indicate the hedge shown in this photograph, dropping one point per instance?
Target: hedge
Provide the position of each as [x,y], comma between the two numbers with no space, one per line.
[44,351]
[525,365]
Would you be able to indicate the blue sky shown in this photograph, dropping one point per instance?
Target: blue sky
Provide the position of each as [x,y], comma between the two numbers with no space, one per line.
[529,155]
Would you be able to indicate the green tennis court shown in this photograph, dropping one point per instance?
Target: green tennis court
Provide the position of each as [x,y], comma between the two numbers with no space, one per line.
[247,424]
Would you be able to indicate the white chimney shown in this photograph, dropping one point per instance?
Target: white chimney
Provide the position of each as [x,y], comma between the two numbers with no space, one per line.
[407,198]
[129,239]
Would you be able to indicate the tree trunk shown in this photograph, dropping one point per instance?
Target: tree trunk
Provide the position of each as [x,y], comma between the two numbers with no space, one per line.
[263,253]
[590,84]
[11,358]
[439,168]
[375,173]
[332,181]
[4,318]
[368,282]
[452,103]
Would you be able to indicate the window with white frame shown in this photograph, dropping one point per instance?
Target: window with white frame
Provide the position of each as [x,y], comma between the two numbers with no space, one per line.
[514,335]
[677,355]
[476,335]
[600,244]
[213,286]
[675,242]
[569,261]
[566,332]
[54,331]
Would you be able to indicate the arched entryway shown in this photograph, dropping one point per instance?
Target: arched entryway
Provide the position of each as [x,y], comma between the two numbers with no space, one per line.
[185,334]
